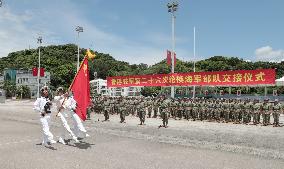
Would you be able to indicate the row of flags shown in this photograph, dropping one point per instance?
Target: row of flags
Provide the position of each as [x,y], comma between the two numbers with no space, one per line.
[35,71]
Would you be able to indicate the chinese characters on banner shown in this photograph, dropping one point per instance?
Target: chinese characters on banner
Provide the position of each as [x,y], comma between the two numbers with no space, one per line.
[220,78]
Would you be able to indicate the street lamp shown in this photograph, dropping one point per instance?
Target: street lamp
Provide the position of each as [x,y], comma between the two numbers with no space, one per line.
[39,41]
[172,8]
[1,3]
[78,29]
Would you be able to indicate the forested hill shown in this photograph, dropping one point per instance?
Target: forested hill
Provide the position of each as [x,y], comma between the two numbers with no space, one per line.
[61,61]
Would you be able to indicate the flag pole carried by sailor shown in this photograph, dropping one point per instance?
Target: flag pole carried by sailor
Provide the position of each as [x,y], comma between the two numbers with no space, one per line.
[62,108]
[79,97]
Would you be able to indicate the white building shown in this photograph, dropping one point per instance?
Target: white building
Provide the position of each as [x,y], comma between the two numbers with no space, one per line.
[99,86]
[125,91]
[25,77]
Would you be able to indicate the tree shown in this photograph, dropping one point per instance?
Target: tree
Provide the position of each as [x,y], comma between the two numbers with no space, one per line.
[23,91]
[10,88]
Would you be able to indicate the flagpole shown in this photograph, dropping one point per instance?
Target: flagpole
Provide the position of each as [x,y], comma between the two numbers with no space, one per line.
[172,8]
[193,94]
[39,41]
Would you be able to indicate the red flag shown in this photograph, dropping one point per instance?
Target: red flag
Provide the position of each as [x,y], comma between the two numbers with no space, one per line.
[41,72]
[169,57]
[81,89]
[34,71]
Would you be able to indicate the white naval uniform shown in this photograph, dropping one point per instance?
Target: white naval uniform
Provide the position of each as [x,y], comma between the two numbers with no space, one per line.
[39,107]
[65,128]
[79,129]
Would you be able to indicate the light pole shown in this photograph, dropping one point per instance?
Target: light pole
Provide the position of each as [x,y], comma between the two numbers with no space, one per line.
[39,41]
[193,94]
[172,8]
[78,29]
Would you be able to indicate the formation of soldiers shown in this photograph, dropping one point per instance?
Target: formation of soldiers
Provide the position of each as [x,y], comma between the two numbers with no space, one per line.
[236,111]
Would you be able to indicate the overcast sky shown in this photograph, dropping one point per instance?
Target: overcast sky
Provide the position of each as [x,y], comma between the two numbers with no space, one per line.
[140,30]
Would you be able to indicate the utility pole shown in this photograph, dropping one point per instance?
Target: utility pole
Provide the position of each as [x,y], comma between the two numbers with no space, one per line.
[39,41]
[78,29]
[172,8]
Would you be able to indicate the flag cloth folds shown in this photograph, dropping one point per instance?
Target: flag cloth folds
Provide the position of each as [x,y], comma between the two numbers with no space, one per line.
[81,89]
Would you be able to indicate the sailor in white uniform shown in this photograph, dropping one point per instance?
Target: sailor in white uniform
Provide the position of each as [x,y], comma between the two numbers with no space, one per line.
[43,105]
[61,101]
[79,129]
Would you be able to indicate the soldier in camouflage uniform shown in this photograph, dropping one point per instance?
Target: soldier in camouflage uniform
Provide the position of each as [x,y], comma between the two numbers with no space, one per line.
[245,111]
[217,111]
[149,107]
[155,107]
[179,108]
[256,112]
[250,114]
[188,108]
[107,108]
[210,112]
[141,110]
[277,108]
[195,109]
[164,107]
[122,108]
[266,108]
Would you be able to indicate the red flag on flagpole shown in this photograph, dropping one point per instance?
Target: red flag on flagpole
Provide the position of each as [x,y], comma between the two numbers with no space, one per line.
[41,72]
[81,89]
[35,71]
[169,60]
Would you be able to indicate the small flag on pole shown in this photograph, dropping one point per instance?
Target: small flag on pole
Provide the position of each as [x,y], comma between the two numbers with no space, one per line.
[169,58]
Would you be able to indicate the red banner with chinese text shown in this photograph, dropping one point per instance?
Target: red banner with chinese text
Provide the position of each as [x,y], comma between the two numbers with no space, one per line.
[220,78]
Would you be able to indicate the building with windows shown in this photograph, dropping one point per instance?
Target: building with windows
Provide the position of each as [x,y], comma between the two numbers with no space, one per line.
[23,77]
[99,87]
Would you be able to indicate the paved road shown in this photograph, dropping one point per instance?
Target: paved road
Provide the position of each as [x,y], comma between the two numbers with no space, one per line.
[108,147]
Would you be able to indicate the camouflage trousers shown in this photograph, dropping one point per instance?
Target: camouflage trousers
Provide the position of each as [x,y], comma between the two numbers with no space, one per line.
[106,113]
[141,115]
[256,117]
[194,113]
[245,115]
[227,115]
[122,115]
[187,113]
[217,114]
[266,117]
[155,110]
[165,117]
[276,115]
